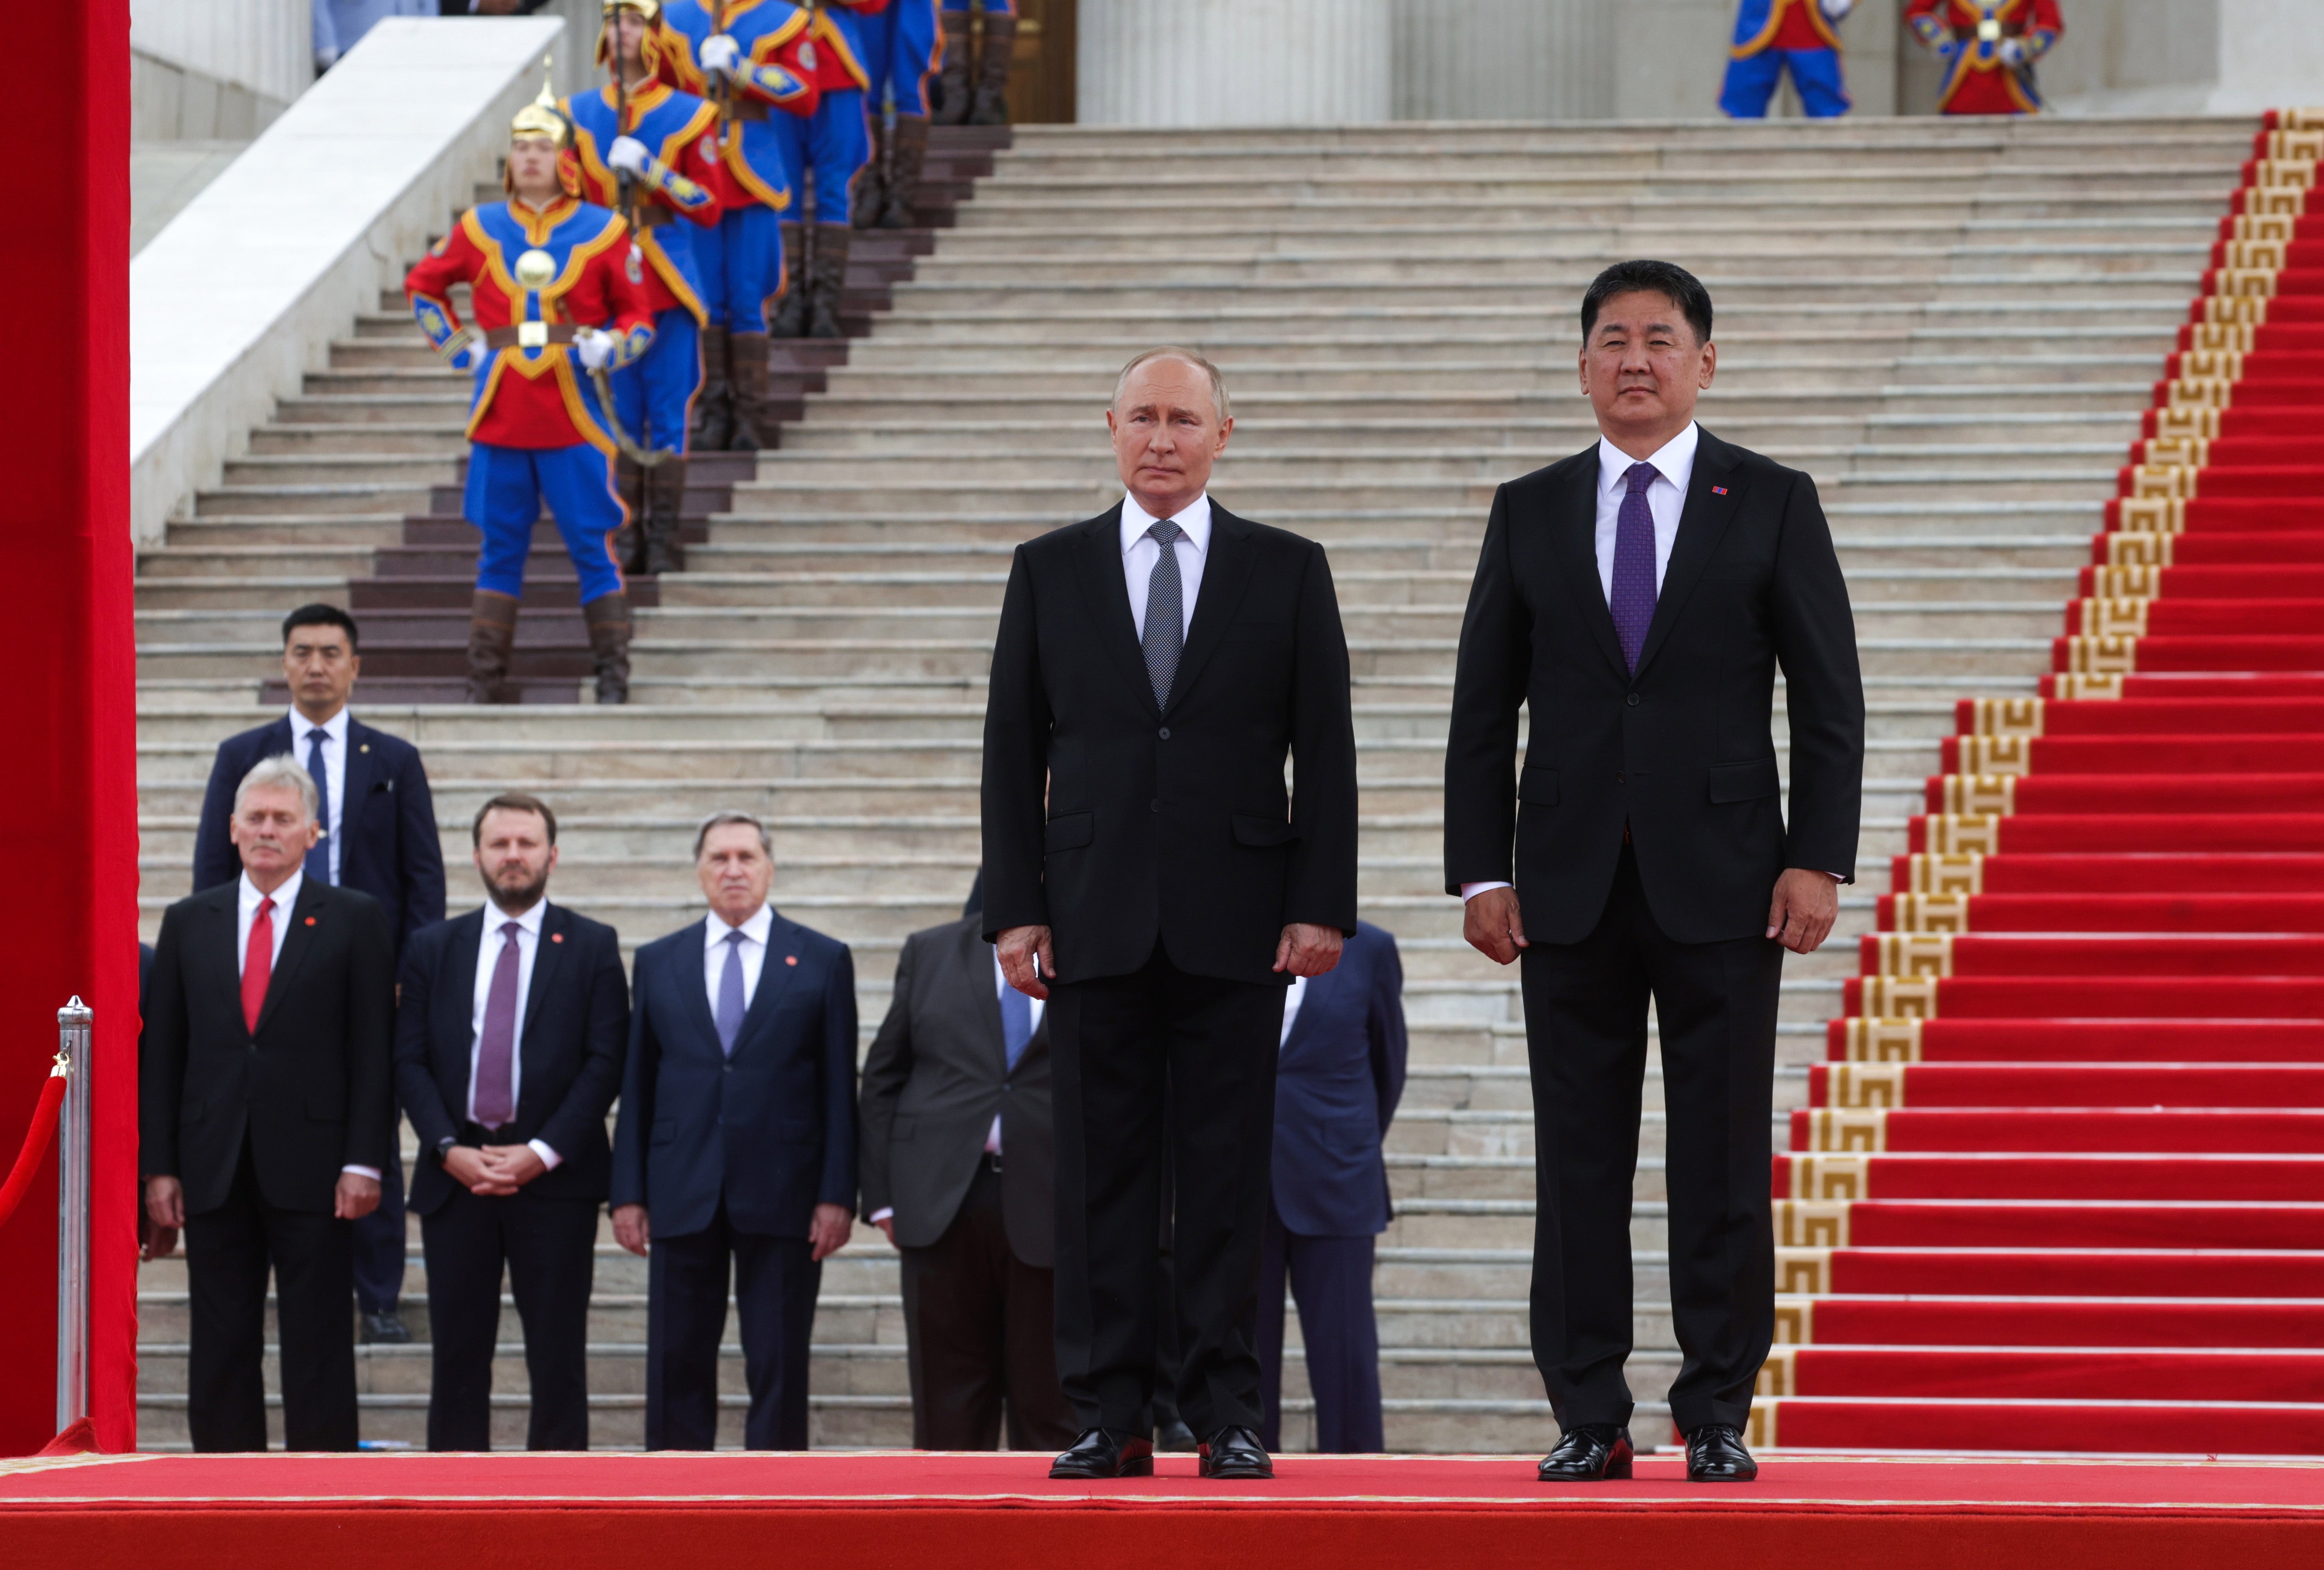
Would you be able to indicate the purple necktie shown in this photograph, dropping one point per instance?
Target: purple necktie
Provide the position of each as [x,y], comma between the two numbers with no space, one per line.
[1632,600]
[495,1097]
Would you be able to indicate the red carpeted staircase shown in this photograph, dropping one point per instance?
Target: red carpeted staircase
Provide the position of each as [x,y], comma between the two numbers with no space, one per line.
[2060,1184]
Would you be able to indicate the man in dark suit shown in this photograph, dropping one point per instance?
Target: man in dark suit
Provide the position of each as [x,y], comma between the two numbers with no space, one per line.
[1156,667]
[957,1161]
[509,1036]
[1337,1082]
[736,1141]
[379,835]
[264,1117]
[1636,598]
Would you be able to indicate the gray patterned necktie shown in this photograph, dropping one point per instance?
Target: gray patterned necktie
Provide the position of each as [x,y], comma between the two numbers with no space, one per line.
[1165,614]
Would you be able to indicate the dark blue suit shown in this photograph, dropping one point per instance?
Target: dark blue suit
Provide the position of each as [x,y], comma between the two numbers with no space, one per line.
[731,1156]
[388,850]
[1337,1082]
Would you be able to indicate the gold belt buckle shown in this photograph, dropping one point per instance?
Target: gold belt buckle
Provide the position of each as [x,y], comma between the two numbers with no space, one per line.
[1988,29]
[532,334]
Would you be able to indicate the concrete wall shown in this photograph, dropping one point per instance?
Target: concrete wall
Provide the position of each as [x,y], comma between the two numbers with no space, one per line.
[1503,59]
[242,294]
[1233,62]
[2182,56]
[214,69]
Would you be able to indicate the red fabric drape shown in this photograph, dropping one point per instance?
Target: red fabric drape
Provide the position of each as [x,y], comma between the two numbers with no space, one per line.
[67,700]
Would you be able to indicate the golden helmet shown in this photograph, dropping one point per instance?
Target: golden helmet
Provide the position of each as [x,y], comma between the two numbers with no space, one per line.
[541,117]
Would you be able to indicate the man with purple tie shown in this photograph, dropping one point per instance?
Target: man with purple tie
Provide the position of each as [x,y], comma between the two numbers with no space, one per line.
[1635,599]
[736,1146]
[509,1041]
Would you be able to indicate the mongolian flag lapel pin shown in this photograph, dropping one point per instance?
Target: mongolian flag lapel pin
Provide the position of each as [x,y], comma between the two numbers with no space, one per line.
[1718,490]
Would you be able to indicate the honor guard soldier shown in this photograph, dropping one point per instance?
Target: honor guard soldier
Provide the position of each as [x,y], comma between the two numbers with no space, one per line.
[990,106]
[1988,48]
[651,152]
[555,311]
[753,60]
[900,53]
[835,142]
[1772,34]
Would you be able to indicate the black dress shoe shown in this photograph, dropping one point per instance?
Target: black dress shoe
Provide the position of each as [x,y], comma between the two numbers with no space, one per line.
[385,1330]
[1235,1453]
[1101,1452]
[1589,1452]
[1715,1454]
[1175,1436]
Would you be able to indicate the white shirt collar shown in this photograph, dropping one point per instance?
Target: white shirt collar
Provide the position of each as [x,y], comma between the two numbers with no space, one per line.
[1196,520]
[284,897]
[762,922]
[495,918]
[1673,460]
[335,727]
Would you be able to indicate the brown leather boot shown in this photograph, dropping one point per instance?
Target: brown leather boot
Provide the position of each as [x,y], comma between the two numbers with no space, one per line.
[991,106]
[629,479]
[714,410]
[667,482]
[789,320]
[608,620]
[952,89]
[827,276]
[753,422]
[910,150]
[492,635]
[870,186]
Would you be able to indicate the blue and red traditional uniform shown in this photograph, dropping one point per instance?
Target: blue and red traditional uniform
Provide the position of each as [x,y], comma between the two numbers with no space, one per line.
[903,49]
[1771,36]
[1988,48]
[538,427]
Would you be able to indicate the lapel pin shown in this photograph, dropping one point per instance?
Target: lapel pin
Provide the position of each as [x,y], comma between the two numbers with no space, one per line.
[1718,490]
[311,920]
[790,959]
[557,938]
[364,748]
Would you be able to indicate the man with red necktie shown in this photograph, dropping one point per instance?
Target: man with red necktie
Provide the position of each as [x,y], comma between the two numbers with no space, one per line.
[265,1118]
[509,1043]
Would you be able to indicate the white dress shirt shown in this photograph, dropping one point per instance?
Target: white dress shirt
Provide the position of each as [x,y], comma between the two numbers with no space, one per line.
[335,771]
[488,959]
[1140,550]
[246,905]
[754,953]
[1293,996]
[993,1135]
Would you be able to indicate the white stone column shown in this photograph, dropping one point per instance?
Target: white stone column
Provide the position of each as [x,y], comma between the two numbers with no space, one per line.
[1233,62]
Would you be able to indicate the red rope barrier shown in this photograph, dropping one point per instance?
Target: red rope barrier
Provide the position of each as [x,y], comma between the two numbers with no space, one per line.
[36,1145]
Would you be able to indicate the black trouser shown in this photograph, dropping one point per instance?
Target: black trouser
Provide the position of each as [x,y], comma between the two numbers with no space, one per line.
[1122,1046]
[379,1244]
[980,1330]
[1332,1277]
[548,1247]
[228,1251]
[1586,1036]
[775,1281]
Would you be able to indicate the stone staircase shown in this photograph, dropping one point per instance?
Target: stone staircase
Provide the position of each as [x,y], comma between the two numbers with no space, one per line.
[1953,326]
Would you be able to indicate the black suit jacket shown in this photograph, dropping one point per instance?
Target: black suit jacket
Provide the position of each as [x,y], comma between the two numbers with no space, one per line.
[1683,752]
[771,1129]
[388,850]
[309,1086]
[937,1072]
[570,1046]
[1177,825]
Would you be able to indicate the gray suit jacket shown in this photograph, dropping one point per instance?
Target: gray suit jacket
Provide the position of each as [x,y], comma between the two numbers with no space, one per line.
[937,1072]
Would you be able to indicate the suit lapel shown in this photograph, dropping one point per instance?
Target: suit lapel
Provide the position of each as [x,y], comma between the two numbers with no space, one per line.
[223,958]
[976,965]
[1105,596]
[1225,575]
[776,973]
[457,994]
[548,962]
[356,786]
[694,989]
[1701,524]
[295,945]
[1576,549]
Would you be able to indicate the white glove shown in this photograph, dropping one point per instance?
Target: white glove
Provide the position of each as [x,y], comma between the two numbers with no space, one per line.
[719,53]
[629,155]
[596,347]
[2013,52]
[1837,9]
[464,351]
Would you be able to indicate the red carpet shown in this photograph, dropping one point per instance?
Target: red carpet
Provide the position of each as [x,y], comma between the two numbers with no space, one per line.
[2061,1182]
[872,1511]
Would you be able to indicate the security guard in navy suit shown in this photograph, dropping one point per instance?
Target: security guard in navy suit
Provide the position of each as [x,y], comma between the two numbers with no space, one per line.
[381,841]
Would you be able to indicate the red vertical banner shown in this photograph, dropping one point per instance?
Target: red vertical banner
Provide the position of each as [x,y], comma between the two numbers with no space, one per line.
[67,702]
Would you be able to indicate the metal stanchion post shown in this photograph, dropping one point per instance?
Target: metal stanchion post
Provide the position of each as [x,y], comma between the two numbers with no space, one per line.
[73,1217]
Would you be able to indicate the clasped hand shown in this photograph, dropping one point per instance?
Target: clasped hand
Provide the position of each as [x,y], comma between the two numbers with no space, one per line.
[493,1170]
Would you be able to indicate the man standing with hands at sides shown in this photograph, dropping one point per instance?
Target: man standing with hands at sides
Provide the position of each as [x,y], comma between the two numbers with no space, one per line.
[1637,598]
[736,1139]
[264,1119]
[378,836]
[1150,874]
[509,1039]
